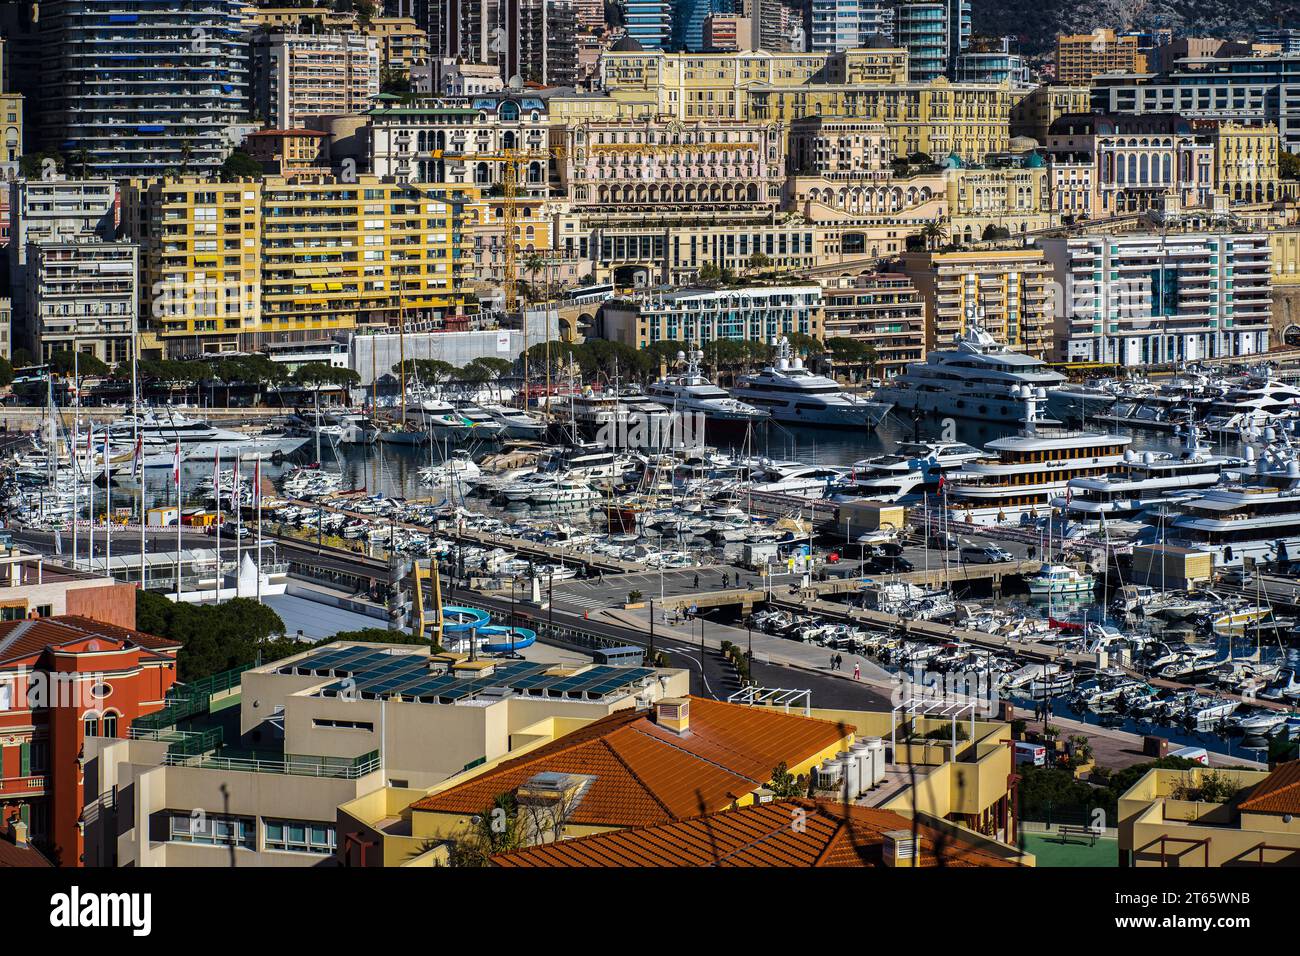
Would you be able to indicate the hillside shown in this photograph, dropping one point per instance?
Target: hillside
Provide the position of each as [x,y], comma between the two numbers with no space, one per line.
[1037,22]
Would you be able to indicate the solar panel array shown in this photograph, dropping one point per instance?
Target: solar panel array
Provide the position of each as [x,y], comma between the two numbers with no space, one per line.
[371,674]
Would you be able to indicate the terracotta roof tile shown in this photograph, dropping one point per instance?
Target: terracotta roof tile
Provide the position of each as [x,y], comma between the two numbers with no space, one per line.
[19,639]
[644,774]
[21,856]
[1279,792]
[831,835]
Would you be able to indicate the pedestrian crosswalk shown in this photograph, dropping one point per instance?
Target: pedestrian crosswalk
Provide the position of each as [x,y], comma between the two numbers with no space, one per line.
[588,601]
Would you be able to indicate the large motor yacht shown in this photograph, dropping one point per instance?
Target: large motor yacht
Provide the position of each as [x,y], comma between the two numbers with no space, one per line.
[690,391]
[979,377]
[793,395]
[1022,474]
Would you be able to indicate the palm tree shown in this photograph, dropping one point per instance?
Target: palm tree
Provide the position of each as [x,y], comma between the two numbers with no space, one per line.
[534,263]
[935,232]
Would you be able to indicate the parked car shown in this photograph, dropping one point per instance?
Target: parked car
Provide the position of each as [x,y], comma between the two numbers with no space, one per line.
[984,554]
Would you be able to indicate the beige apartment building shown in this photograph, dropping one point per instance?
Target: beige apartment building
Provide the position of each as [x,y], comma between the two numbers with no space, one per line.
[322,729]
[298,76]
[1007,292]
[1081,56]
[881,309]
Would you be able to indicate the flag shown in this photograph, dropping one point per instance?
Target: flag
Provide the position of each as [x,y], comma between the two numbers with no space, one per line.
[137,459]
[176,465]
[257,483]
[942,481]
[234,487]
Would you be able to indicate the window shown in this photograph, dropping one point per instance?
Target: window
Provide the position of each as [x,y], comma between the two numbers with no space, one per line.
[90,725]
[211,830]
[108,726]
[299,836]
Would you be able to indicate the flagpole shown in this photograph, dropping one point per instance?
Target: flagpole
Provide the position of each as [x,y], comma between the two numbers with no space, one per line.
[216,490]
[239,516]
[257,501]
[176,479]
[76,480]
[108,507]
[139,459]
[90,471]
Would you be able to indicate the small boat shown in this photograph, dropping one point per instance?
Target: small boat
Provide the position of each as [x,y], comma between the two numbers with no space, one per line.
[1053,579]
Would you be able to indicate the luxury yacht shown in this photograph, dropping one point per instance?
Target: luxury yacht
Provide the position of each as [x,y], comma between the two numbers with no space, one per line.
[1145,480]
[1256,516]
[978,377]
[790,393]
[198,439]
[691,391]
[914,468]
[515,422]
[1257,402]
[792,478]
[1024,473]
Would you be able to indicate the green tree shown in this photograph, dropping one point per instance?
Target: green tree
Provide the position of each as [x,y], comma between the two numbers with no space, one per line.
[239,165]
[492,368]
[6,372]
[758,262]
[67,362]
[215,638]
[32,165]
[1288,165]
[784,783]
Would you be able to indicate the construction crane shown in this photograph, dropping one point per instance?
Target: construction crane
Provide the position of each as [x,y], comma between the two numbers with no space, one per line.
[513,163]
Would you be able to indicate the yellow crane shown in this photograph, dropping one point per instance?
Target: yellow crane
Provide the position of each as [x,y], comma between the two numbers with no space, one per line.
[513,162]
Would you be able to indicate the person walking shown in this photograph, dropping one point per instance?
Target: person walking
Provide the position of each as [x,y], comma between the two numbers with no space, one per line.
[697,582]
[832,662]
[857,671]
[839,662]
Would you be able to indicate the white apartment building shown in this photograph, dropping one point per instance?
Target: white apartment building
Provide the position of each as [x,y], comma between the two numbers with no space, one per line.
[1149,299]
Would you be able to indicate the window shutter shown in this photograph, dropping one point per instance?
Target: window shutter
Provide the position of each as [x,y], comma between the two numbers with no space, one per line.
[25,758]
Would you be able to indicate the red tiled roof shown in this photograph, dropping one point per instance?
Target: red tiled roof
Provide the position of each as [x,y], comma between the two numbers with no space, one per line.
[1279,792]
[20,856]
[643,774]
[19,639]
[764,834]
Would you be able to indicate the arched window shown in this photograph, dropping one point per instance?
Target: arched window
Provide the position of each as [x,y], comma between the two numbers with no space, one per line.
[90,725]
[108,727]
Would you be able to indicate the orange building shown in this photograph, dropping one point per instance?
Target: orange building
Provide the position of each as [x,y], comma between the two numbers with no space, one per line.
[62,680]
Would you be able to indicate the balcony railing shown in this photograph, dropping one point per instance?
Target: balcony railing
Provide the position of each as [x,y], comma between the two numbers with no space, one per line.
[337,768]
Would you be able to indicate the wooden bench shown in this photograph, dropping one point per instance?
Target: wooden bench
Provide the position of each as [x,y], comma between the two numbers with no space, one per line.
[1066,832]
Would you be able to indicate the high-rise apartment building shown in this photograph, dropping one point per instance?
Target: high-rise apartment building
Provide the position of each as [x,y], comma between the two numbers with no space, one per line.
[848,24]
[1138,300]
[297,76]
[1006,292]
[82,296]
[879,309]
[548,48]
[933,33]
[139,87]
[229,266]
[55,210]
[649,23]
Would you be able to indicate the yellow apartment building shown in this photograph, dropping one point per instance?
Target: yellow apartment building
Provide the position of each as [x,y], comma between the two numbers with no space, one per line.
[1007,292]
[937,118]
[1246,163]
[694,86]
[229,266]
[1034,113]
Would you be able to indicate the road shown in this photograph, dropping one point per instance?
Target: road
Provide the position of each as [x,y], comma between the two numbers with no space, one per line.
[711,674]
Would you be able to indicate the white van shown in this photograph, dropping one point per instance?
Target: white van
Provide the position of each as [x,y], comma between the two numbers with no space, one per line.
[1026,752]
[1195,754]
